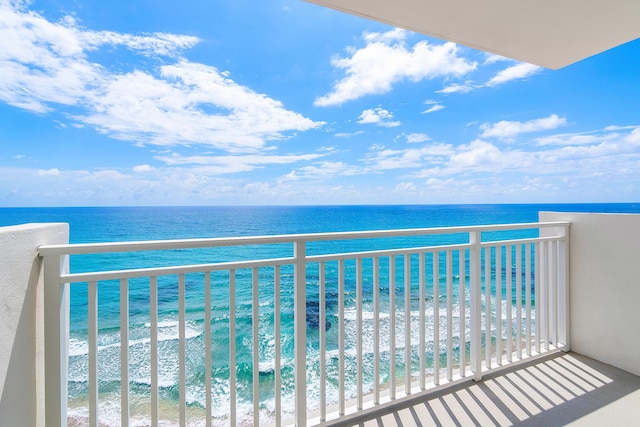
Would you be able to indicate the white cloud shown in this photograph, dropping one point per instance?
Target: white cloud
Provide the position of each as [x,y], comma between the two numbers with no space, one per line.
[391,36]
[387,159]
[611,154]
[156,44]
[379,117]
[610,134]
[607,145]
[386,60]
[105,175]
[116,187]
[324,170]
[435,106]
[49,172]
[170,110]
[433,109]
[442,173]
[515,72]
[567,139]
[45,67]
[477,153]
[476,158]
[634,136]
[416,137]
[492,58]
[614,128]
[519,71]
[458,88]
[45,63]
[412,138]
[142,168]
[507,130]
[435,182]
[216,165]
[405,187]
[348,134]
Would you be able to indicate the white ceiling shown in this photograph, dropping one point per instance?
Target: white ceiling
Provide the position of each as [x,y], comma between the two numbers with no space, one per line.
[550,33]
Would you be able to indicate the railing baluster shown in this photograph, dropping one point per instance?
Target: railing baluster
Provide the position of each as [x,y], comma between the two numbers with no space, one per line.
[232,348]
[341,338]
[509,298]
[449,260]
[207,347]
[545,287]
[407,324]
[277,380]
[182,351]
[553,293]
[124,352]
[499,305]
[540,295]
[528,295]
[423,326]
[255,347]
[392,327]
[519,300]
[376,330]
[323,340]
[487,307]
[541,299]
[92,302]
[153,331]
[300,331]
[463,312]
[436,318]
[475,302]
[359,364]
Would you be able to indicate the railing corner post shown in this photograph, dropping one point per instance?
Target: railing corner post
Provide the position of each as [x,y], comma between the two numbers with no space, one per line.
[475,303]
[564,280]
[56,331]
[300,332]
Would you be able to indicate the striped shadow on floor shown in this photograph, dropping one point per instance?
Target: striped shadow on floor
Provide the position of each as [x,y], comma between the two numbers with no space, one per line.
[560,389]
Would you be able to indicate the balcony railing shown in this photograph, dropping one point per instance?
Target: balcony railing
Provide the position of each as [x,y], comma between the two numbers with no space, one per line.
[312,328]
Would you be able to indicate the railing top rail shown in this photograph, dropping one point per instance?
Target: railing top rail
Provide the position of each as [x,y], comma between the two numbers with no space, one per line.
[210,267]
[94,248]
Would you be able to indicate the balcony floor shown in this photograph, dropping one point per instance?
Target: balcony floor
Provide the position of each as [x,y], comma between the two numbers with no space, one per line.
[561,389]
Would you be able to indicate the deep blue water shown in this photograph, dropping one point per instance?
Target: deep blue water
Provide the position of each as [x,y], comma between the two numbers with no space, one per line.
[104,224]
[101,224]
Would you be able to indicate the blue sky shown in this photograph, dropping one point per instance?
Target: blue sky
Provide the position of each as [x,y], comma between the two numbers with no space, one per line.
[284,102]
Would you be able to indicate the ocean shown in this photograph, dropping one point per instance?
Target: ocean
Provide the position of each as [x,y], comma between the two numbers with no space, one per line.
[106,224]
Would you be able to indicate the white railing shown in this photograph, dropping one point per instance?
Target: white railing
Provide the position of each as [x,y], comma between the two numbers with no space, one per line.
[370,328]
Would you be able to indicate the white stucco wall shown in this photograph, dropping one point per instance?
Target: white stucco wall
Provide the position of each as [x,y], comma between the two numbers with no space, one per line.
[604,286]
[21,321]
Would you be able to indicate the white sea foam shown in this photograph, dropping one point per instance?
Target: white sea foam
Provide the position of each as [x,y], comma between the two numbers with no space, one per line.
[167,331]
[168,358]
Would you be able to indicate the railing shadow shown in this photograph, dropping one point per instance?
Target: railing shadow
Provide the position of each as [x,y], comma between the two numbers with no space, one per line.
[551,391]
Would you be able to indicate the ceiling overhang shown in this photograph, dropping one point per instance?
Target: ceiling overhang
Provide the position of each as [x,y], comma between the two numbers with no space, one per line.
[549,33]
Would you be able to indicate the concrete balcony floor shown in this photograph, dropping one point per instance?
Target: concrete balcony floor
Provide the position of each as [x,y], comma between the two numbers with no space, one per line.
[557,390]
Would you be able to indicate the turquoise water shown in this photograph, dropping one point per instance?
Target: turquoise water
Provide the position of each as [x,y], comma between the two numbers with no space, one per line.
[152,223]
